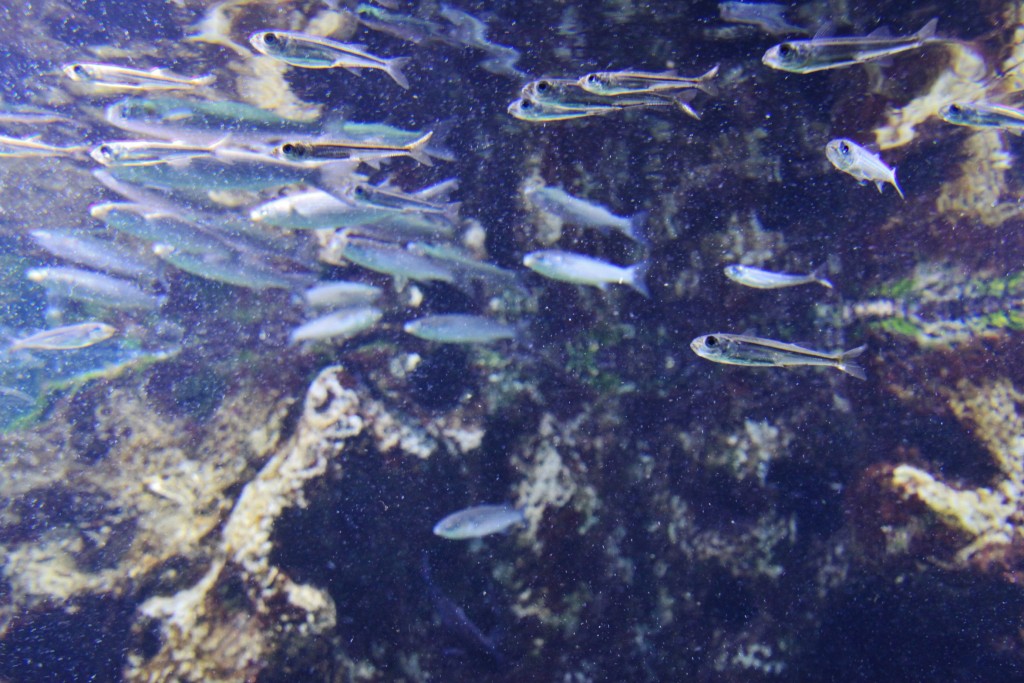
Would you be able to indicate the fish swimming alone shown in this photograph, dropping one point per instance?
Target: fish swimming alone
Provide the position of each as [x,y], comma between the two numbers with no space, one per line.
[980,115]
[759,278]
[821,53]
[852,159]
[586,270]
[738,349]
[479,521]
[458,328]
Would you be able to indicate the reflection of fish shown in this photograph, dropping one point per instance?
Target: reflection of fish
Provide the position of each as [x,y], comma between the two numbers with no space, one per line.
[818,54]
[979,115]
[313,52]
[738,349]
[66,338]
[110,77]
[455,619]
[766,279]
[852,159]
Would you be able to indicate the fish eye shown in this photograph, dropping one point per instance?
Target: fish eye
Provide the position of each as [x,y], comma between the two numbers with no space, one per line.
[359,191]
[289,149]
[711,341]
[955,109]
[844,148]
[270,38]
[592,78]
[543,86]
[526,104]
[106,151]
[786,50]
[80,71]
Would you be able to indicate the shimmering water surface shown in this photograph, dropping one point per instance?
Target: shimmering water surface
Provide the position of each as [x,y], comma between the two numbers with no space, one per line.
[218,465]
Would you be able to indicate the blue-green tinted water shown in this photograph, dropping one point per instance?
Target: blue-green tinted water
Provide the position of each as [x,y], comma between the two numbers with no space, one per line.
[212,471]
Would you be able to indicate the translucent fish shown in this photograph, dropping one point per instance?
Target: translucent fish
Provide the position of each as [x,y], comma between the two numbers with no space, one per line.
[149,152]
[120,78]
[759,278]
[459,329]
[618,83]
[864,165]
[479,521]
[313,52]
[821,53]
[767,16]
[981,115]
[586,270]
[66,338]
[738,349]
[365,151]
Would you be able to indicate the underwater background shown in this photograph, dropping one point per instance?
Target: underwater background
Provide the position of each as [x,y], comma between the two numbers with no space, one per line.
[206,494]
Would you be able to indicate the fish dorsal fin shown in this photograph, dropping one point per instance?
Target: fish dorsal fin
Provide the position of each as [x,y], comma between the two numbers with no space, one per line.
[881,32]
[826,30]
[927,31]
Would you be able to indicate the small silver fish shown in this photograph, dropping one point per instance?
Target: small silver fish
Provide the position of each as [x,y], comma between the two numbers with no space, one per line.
[619,83]
[394,261]
[367,151]
[586,270]
[18,148]
[341,293]
[852,159]
[767,16]
[585,213]
[313,52]
[766,279]
[343,324]
[96,288]
[120,78]
[459,329]
[738,349]
[148,152]
[66,338]
[526,109]
[980,115]
[479,521]
[820,53]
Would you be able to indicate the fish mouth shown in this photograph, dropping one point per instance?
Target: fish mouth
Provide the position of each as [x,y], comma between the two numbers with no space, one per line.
[695,346]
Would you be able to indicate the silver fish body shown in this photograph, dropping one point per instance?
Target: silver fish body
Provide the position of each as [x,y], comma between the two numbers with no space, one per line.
[619,83]
[341,293]
[120,78]
[980,115]
[864,165]
[738,349]
[342,324]
[459,329]
[759,278]
[819,54]
[66,338]
[586,270]
[479,521]
[394,261]
[313,52]
[585,213]
[95,288]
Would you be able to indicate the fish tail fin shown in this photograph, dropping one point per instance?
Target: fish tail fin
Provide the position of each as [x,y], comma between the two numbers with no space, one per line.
[704,82]
[847,365]
[897,185]
[927,31]
[638,276]
[417,150]
[394,67]
[638,229]
[682,100]
[819,276]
